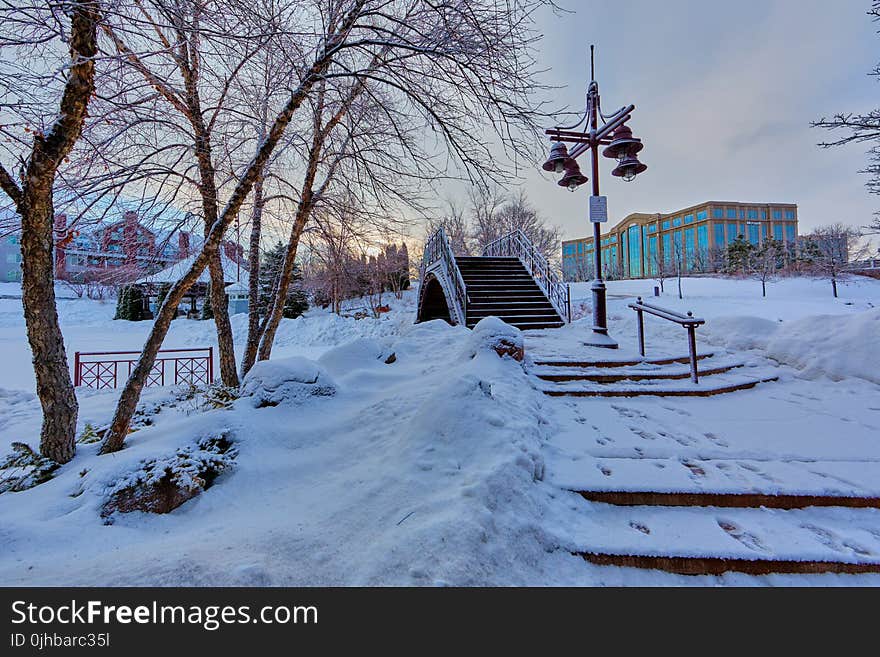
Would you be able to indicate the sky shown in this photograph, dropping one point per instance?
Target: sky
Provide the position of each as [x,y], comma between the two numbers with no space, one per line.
[724,95]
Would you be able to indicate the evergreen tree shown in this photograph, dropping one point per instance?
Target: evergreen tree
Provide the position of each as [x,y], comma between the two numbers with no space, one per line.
[739,254]
[207,310]
[270,267]
[130,303]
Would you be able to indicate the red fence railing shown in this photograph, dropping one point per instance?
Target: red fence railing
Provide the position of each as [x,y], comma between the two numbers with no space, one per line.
[105,369]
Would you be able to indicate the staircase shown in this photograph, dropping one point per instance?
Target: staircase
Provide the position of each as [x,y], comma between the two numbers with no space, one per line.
[511,280]
[503,287]
[662,377]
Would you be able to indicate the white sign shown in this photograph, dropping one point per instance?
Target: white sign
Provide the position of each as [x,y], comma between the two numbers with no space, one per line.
[598,209]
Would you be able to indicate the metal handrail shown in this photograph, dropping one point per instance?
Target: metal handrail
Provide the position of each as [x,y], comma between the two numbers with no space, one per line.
[688,321]
[438,251]
[515,244]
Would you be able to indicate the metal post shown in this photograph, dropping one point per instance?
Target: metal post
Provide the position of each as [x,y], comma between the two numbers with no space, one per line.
[641,320]
[597,287]
[76,369]
[210,365]
[568,300]
[692,346]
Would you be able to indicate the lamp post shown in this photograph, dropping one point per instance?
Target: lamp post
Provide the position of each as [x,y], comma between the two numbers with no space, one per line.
[587,135]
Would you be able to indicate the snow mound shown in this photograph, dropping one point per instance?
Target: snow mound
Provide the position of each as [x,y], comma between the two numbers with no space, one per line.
[493,333]
[358,354]
[836,346]
[286,380]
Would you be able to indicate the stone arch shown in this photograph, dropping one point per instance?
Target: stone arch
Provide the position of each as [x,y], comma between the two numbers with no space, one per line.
[433,303]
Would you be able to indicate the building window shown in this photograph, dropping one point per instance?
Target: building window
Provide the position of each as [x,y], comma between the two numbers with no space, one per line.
[12,239]
[789,233]
[754,233]
[677,251]
[676,222]
[789,214]
[652,228]
[635,252]
[718,213]
[753,214]
[13,274]
[689,248]
[731,233]
[652,255]
[702,215]
[689,219]
[742,214]
[667,248]
[777,214]
[731,213]
[580,247]
[777,232]
[665,224]
[763,214]
[12,258]
[719,234]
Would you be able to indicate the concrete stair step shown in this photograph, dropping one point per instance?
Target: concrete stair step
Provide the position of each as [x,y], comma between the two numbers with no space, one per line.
[716,385]
[622,362]
[726,481]
[558,374]
[711,540]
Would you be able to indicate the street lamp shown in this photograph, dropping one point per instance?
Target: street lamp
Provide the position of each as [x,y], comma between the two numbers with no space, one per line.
[621,146]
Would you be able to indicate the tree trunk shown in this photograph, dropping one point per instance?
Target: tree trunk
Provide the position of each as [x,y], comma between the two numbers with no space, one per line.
[679,287]
[763,288]
[834,286]
[284,279]
[33,202]
[128,400]
[54,387]
[225,342]
[254,329]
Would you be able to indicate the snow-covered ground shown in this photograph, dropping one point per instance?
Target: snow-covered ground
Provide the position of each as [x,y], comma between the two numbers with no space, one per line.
[447,465]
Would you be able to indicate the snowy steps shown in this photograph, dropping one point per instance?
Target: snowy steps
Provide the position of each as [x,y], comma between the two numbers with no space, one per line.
[734,482]
[713,540]
[664,377]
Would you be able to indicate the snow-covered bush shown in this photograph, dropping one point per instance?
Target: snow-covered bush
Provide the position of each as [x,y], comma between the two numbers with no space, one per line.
[161,485]
[24,469]
[501,337]
[287,380]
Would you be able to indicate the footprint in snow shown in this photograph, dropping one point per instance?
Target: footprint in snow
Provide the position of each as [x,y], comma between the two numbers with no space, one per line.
[834,542]
[694,468]
[739,534]
[715,439]
[640,527]
[604,470]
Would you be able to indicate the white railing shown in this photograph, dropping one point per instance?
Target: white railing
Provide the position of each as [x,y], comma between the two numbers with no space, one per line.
[438,255]
[517,245]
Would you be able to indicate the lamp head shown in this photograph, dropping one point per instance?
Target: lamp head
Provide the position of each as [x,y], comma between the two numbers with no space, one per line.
[623,144]
[573,177]
[629,168]
[559,158]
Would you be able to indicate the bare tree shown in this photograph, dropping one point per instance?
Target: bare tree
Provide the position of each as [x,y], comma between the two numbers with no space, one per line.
[455,224]
[765,261]
[862,128]
[337,31]
[829,248]
[518,213]
[31,192]
[661,269]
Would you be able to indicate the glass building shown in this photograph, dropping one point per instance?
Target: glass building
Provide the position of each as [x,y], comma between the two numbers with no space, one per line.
[693,239]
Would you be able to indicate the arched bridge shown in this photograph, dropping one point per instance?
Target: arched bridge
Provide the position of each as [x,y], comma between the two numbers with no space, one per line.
[510,280]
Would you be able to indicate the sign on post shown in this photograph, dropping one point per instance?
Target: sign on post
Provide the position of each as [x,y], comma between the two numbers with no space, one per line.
[598,209]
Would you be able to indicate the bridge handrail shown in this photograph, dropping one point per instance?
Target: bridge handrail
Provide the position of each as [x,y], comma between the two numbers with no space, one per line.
[439,250]
[516,244]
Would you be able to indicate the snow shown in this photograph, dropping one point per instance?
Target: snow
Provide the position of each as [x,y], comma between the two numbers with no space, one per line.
[286,380]
[445,465]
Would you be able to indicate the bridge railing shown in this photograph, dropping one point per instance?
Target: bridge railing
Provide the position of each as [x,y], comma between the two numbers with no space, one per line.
[517,245]
[438,255]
